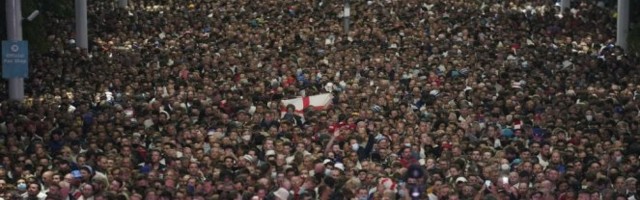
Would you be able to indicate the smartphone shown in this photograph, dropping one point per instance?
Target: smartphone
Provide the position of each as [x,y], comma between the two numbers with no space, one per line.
[487,183]
[505,180]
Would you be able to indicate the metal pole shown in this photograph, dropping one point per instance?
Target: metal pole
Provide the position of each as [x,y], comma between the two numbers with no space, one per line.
[565,4]
[82,40]
[347,16]
[123,3]
[14,33]
[622,27]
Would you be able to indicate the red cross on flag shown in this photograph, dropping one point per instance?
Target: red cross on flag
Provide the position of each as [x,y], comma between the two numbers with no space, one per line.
[318,102]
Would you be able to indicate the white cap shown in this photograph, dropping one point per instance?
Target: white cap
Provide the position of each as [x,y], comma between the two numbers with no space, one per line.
[71,108]
[148,123]
[340,166]
[290,159]
[252,110]
[248,158]
[329,87]
[270,153]
[281,194]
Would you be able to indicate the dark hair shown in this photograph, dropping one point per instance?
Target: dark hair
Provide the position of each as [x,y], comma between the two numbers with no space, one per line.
[37,184]
[119,183]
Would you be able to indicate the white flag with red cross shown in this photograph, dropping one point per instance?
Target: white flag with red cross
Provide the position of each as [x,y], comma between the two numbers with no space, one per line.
[317,102]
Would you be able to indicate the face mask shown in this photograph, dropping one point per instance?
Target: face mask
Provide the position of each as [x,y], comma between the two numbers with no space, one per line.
[355,146]
[246,137]
[618,159]
[327,172]
[22,187]
[505,167]
[589,117]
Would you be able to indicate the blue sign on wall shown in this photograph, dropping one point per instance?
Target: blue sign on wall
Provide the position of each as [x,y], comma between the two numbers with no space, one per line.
[15,59]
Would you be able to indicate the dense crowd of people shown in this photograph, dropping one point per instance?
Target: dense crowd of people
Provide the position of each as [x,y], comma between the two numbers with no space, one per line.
[432,99]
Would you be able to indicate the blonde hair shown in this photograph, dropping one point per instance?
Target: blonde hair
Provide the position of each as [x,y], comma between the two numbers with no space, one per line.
[389,194]
[353,184]
[102,179]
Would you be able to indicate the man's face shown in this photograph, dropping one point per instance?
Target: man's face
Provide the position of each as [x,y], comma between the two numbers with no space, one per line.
[535,148]
[54,190]
[336,173]
[546,150]
[584,196]
[68,178]
[57,178]
[262,193]
[114,186]
[155,157]
[87,190]
[110,163]
[228,162]
[362,176]
[193,168]
[475,155]
[362,193]
[3,184]
[268,145]
[34,189]
[406,153]
[486,155]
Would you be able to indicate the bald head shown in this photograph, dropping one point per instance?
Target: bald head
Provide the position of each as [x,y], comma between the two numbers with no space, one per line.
[286,184]
[265,182]
[319,168]
[47,178]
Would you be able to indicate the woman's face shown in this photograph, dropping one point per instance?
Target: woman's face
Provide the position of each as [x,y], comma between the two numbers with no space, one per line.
[486,155]
[85,174]
[430,163]
[21,181]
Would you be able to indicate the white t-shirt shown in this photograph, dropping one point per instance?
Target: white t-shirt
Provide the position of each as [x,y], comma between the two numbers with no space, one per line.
[40,196]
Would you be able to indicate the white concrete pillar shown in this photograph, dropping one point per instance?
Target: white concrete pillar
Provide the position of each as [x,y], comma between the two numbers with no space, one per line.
[82,38]
[622,27]
[565,4]
[347,16]
[14,33]
[123,3]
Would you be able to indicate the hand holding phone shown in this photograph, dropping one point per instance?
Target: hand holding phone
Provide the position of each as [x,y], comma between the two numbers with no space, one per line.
[487,184]
[505,180]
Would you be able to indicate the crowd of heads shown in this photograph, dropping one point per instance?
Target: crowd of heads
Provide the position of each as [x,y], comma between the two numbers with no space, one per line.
[433,99]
